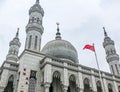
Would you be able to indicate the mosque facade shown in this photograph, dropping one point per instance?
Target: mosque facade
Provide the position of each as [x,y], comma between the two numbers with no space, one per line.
[55,67]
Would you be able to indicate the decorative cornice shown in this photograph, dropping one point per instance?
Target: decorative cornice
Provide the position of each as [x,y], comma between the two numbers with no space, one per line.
[112,58]
[107,76]
[36,27]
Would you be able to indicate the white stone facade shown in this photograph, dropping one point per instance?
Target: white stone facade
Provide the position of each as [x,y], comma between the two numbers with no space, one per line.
[34,71]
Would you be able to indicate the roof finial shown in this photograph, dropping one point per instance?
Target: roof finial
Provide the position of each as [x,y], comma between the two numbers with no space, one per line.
[17,32]
[58,26]
[58,35]
[105,33]
[37,1]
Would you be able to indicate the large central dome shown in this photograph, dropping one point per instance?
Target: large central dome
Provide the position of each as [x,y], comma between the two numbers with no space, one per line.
[61,49]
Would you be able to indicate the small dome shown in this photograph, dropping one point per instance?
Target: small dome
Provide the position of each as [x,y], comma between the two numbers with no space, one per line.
[36,7]
[61,49]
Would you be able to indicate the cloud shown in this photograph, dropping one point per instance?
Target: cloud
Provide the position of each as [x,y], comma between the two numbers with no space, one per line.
[81,22]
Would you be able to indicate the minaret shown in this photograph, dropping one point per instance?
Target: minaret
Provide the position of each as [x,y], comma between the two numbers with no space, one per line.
[34,28]
[9,68]
[58,34]
[111,56]
[14,48]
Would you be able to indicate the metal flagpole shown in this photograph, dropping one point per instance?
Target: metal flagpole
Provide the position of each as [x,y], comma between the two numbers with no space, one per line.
[99,69]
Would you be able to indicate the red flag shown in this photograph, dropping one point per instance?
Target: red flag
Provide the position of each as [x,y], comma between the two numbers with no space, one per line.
[90,47]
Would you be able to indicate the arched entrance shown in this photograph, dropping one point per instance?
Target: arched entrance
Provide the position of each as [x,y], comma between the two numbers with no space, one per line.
[9,87]
[86,85]
[72,84]
[55,86]
[99,87]
[110,88]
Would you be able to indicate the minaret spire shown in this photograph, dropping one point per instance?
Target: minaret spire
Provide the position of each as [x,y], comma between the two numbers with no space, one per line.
[105,33]
[111,55]
[58,34]
[14,46]
[37,1]
[17,34]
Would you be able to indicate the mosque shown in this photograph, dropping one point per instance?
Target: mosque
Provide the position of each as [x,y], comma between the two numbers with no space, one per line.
[55,67]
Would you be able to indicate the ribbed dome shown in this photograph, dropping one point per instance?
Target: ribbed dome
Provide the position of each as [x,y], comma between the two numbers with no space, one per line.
[61,49]
[36,7]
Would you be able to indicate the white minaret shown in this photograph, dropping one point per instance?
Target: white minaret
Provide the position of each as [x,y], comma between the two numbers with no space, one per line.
[34,28]
[112,57]
[14,48]
[9,68]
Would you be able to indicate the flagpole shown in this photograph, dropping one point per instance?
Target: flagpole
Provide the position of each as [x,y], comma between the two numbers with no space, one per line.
[102,84]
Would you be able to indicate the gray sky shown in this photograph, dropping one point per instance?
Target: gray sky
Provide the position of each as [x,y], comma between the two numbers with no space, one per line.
[81,22]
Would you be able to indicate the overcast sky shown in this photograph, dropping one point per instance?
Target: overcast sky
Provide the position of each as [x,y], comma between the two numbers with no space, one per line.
[81,22]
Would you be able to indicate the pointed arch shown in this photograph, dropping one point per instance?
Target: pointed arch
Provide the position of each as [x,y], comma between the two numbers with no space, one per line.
[86,83]
[56,74]
[72,84]
[110,88]
[72,78]
[55,86]
[9,87]
[99,87]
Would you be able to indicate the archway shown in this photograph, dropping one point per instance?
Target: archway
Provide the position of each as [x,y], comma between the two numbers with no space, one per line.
[110,88]
[99,87]
[9,87]
[86,85]
[56,83]
[72,84]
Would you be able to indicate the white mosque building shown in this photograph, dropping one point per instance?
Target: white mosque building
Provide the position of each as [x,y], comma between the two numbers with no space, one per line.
[55,67]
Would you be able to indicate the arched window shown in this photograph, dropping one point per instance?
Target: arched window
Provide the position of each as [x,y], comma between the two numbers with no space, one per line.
[9,87]
[32,82]
[36,38]
[110,88]
[86,85]
[99,87]
[29,45]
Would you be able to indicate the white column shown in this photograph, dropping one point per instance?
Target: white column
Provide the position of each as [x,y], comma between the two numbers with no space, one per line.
[115,85]
[48,72]
[47,85]
[47,75]
[80,80]
[105,84]
[81,90]
[4,78]
[93,82]
[65,88]
[65,79]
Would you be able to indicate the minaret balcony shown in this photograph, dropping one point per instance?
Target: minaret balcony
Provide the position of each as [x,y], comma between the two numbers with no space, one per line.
[34,26]
[111,58]
[108,43]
